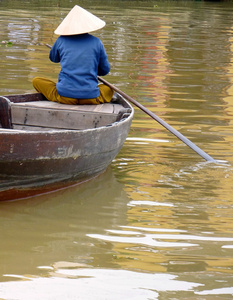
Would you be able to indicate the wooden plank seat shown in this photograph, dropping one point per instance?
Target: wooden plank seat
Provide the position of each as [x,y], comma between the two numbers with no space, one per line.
[46,114]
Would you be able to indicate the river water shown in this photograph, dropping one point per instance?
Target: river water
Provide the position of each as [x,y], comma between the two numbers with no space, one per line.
[158,224]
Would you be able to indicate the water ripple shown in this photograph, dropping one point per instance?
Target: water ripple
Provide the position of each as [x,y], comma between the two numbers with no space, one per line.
[88,282]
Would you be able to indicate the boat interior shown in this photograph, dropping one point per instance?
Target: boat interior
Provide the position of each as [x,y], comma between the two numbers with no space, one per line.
[41,114]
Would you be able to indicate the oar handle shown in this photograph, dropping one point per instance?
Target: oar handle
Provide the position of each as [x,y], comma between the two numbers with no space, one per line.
[180,136]
[49,46]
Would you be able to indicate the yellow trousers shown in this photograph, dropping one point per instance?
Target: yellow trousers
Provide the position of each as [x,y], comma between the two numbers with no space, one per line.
[48,89]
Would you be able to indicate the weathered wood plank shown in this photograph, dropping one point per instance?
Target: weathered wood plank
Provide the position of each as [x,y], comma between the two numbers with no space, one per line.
[108,108]
[26,97]
[49,114]
[5,113]
[57,118]
[34,128]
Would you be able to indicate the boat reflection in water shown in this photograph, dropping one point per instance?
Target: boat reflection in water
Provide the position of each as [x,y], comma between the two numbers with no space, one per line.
[52,228]
[65,258]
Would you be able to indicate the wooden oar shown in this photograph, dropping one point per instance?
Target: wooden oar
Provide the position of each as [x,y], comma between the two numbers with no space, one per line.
[180,136]
[160,121]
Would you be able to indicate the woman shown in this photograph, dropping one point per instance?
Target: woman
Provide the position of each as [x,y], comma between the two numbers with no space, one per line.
[82,57]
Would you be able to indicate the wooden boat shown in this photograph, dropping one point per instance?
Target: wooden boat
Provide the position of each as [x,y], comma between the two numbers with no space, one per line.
[46,145]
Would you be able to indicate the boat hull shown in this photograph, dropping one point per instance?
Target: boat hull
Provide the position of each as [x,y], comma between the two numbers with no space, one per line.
[41,159]
[62,153]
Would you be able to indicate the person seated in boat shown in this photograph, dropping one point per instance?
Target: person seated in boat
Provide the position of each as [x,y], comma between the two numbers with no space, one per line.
[82,57]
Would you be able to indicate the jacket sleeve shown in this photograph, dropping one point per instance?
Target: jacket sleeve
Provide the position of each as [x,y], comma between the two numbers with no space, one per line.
[54,55]
[104,66]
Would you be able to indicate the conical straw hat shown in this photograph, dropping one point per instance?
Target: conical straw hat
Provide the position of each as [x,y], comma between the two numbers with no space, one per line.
[79,21]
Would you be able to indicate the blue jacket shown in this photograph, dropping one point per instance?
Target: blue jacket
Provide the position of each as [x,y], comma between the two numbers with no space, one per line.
[82,58]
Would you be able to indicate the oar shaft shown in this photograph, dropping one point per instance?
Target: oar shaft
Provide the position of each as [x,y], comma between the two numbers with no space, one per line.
[180,136]
[160,121]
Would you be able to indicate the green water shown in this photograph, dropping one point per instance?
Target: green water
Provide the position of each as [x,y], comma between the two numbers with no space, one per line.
[158,223]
